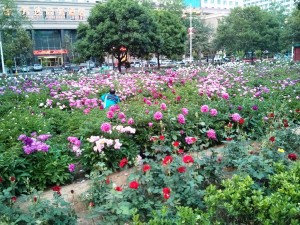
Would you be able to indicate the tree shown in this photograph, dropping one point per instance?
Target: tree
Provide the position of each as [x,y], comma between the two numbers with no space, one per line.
[117,29]
[171,35]
[249,29]
[15,38]
[293,24]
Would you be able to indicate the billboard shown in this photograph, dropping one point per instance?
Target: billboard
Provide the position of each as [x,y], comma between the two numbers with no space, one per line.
[193,3]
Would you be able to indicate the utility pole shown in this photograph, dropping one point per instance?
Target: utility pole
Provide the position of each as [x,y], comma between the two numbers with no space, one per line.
[191,36]
[1,51]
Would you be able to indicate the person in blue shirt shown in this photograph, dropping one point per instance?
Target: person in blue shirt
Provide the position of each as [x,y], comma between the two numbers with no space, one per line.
[110,99]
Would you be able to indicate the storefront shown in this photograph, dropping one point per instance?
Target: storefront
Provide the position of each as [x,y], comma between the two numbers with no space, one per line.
[51,57]
[296,52]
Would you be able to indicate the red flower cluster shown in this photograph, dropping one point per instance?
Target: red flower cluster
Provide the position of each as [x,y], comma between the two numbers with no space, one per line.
[166,192]
[146,167]
[13,199]
[180,151]
[161,137]
[241,121]
[176,143]
[292,156]
[134,184]
[181,169]
[285,123]
[123,162]
[56,189]
[168,159]
[187,159]
[272,139]
[153,139]
[118,188]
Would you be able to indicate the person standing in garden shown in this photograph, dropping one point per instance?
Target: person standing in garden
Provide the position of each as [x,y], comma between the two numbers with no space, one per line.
[110,99]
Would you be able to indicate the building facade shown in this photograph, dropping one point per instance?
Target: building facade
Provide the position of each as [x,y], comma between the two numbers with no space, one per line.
[288,5]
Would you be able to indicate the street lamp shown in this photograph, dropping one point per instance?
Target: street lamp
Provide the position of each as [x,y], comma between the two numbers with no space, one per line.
[191,36]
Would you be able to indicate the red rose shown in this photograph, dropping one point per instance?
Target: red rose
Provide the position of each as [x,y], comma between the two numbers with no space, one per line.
[166,192]
[292,156]
[134,184]
[181,169]
[35,199]
[229,139]
[12,179]
[118,188]
[272,139]
[187,159]
[161,137]
[123,162]
[241,121]
[168,159]
[13,198]
[229,125]
[101,107]
[146,167]
[56,188]
[286,125]
[176,143]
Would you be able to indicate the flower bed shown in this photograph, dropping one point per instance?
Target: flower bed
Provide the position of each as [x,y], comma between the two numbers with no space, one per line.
[52,128]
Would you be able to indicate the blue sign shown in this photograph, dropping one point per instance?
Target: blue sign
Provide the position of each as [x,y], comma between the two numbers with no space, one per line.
[193,3]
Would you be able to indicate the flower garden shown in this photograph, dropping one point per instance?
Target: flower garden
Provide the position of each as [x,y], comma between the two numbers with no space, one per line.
[207,145]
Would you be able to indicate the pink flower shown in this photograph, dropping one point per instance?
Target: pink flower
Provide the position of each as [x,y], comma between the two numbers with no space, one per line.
[71,167]
[121,115]
[147,111]
[130,121]
[225,96]
[110,114]
[150,124]
[123,120]
[236,117]
[211,134]
[86,111]
[181,119]
[213,112]
[106,127]
[204,108]
[185,111]
[158,115]
[163,106]
[190,140]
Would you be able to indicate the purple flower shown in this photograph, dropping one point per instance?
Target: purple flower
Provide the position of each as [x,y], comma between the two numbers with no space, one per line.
[44,137]
[239,108]
[27,141]
[255,107]
[211,134]
[22,137]
[71,167]
[181,119]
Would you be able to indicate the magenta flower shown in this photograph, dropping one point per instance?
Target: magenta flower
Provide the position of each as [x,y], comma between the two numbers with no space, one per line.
[163,106]
[213,112]
[106,127]
[147,111]
[185,111]
[158,115]
[225,96]
[86,111]
[236,117]
[204,108]
[181,119]
[150,124]
[255,107]
[71,167]
[190,140]
[121,115]
[110,114]
[239,108]
[123,120]
[130,121]
[211,134]
[44,137]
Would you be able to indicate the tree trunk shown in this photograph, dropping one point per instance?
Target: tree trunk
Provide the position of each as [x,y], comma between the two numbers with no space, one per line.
[158,62]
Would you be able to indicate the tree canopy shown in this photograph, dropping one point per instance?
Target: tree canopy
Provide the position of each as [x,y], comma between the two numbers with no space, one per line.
[171,33]
[249,29]
[112,26]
